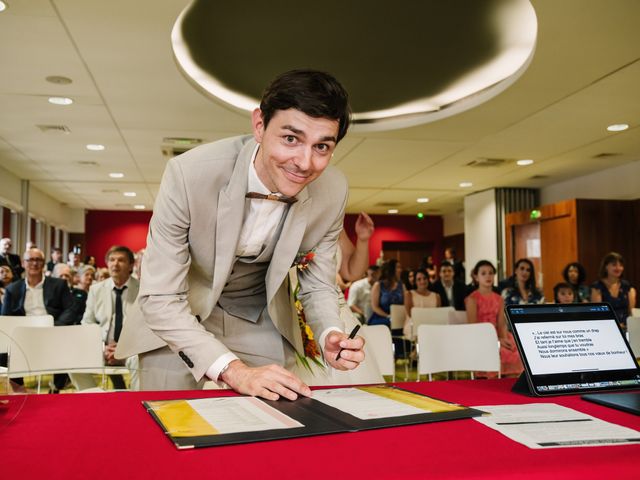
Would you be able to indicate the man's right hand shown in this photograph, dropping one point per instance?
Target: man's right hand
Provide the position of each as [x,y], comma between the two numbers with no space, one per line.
[269,382]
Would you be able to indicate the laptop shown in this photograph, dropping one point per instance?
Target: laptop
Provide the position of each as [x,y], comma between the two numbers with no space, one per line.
[571,348]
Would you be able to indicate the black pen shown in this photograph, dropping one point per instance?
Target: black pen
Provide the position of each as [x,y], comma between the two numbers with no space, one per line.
[351,337]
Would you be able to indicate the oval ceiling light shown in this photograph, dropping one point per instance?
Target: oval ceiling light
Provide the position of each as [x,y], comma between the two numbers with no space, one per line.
[618,127]
[139,207]
[60,100]
[116,175]
[392,211]
[95,147]
[466,184]
[422,200]
[494,42]
[524,162]
[3,6]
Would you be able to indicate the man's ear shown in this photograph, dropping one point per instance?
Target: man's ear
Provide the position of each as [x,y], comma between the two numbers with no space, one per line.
[258,125]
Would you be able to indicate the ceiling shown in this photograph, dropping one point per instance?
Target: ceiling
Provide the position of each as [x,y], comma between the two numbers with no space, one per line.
[129,95]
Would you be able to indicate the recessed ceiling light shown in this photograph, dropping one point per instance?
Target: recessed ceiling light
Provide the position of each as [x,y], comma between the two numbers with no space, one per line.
[129,194]
[139,207]
[524,162]
[618,127]
[392,211]
[466,184]
[96,147]
[116,175]
[422,200]
[3,6]
[60,100]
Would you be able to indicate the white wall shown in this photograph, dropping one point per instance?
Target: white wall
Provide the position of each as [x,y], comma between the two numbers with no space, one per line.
[617,183]
[480,236]
[41,206]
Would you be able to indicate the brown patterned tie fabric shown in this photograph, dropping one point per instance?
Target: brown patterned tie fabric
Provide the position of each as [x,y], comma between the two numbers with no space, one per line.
[262,196]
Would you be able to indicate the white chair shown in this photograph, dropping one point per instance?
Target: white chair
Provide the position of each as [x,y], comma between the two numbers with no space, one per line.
[9,323]
[450,348]
[429,316]
[633,334]
[635,312]
[44,350]
[378,338]
[457,317]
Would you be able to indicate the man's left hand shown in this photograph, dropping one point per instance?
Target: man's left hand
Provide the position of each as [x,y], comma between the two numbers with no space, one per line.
[352,351]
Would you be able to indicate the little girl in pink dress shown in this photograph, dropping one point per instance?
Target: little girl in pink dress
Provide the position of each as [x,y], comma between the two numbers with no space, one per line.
[484,305]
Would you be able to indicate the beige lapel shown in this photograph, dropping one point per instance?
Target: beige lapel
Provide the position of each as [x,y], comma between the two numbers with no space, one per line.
[284,254]
[230,214]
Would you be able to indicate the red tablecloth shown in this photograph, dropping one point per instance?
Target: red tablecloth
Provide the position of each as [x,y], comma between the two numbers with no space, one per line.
[112,436]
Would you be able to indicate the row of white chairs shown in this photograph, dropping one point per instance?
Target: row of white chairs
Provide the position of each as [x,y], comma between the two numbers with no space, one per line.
[35,348]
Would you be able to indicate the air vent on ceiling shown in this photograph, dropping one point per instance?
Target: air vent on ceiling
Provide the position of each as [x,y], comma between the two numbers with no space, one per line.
[539,177]
[126,205]
[489,162]
[171,152]
[110,190]
[182,141]
[388,204]
[606,155]
[87,163]
[54,128]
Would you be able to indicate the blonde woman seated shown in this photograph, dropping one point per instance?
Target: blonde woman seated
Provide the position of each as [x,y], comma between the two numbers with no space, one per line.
[421,297]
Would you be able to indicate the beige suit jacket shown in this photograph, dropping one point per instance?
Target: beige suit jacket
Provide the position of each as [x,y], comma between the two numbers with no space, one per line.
[191,247]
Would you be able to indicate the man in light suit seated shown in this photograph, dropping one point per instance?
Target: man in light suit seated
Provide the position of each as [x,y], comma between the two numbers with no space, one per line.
[108,305]
[230,220]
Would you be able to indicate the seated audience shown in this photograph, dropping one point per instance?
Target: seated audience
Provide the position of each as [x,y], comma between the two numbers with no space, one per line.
[430,267]
[40,295]
[64,272]
[73,260]
[408,278]
[563,293]
[524,289]
[359,300]
[458,267]
[386,292]
[614,289]
[421,297]
[575,275]
[101,274]
[107,306]
[9,259]
[56,257]
[81,291]
[484,305]
[6,276]
[90,260]
[452,292]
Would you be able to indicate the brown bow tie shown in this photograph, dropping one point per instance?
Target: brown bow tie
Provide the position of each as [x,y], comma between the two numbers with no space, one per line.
[262,196]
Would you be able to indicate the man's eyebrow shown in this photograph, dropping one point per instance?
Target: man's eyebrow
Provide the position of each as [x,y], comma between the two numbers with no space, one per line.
[297,131]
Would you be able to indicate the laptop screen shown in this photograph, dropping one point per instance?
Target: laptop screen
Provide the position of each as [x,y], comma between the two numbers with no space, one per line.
[572,348]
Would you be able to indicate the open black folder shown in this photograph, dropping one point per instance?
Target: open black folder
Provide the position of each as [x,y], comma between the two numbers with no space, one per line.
[205,422]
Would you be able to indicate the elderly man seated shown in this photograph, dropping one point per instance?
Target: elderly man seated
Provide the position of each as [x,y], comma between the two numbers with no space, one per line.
[40,295]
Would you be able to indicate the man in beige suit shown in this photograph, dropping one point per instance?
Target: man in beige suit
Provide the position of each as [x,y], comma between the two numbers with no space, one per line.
[230,220]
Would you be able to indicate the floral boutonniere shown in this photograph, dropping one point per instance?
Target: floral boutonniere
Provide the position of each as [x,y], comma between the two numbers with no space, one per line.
[303,259]
[311,351]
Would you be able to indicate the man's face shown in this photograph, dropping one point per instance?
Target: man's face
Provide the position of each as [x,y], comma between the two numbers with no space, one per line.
[65,274]
[446,274]
[56,256]
[5,245]
[294,149]
[119,267]
[33,262]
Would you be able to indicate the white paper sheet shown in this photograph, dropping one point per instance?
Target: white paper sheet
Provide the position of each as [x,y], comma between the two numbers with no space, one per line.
[364,405]
[548,425]
[241,414]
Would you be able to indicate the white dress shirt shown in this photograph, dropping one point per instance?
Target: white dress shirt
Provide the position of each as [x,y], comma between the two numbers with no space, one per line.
[360,296]
[34,299]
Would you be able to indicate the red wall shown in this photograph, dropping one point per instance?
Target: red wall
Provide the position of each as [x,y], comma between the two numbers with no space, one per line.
[105,228]
[401,228]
